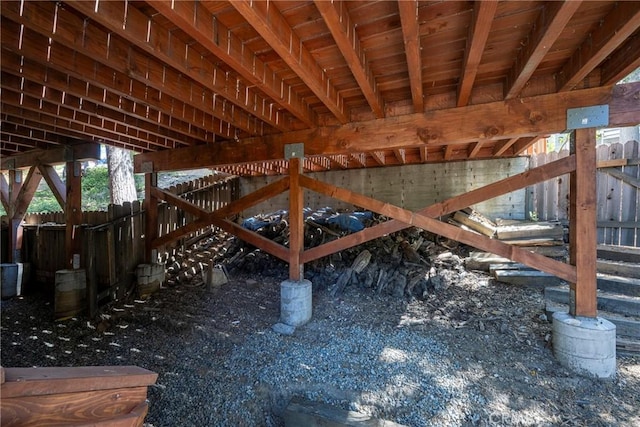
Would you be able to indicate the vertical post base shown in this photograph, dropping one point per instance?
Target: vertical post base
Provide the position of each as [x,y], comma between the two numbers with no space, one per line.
[295,302]
[584,344]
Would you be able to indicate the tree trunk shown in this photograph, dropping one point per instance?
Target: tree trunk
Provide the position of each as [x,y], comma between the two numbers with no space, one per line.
[121,183]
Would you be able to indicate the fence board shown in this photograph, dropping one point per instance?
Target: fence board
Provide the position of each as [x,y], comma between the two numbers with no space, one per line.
[113,240]
[618,203]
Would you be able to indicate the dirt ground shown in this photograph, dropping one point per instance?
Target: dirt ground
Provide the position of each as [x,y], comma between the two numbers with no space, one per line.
[495,337]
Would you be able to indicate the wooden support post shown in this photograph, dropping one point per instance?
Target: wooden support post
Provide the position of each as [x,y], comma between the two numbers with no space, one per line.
[151,214]
[15,231]
[296,218]
[582,226]
[73,212]
[20,193]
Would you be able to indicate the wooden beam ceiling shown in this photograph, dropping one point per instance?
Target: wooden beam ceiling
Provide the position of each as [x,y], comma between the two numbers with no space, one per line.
[158,75]
[483,13]
[617,26]
[495,121]
[344,33]
[410,32]
[552,20]
[267,20]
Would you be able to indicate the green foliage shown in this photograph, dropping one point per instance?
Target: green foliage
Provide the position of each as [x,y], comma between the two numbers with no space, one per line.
[95,189]
[95,192]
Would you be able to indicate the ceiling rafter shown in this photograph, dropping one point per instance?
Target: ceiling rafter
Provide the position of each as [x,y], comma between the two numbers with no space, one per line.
[265,18]
[115,73]
[424,153]
[336,17]
[622,62]
[483,13]
[550,23]
[379,157]
[29,125]
[77,107]
[193,18]
[35,135]
[50,112]
[449,151]
[142,32]
[474,148]
[400,154]
[107,103]
[523,143]
[502,146]
[616,27]
[411,34]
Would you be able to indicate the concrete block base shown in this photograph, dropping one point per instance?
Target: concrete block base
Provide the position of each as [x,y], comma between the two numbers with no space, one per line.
[295,302]
[150,277]
[585,345]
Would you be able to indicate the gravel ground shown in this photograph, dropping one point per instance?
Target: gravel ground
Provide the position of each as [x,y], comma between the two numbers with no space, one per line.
[473,352]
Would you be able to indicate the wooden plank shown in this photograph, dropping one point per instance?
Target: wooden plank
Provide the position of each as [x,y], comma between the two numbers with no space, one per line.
[296,221]
[71,408]
[615,303]
[622,176]
[476,222]
[619,268]
[483,13]
[516,117]
[515,253]
[582,225]
[46,380]
[303,412]
[530,230]
[532,278]
[613,163]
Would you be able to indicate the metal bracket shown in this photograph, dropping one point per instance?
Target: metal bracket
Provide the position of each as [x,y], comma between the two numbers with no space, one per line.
[294,151]
[588,117]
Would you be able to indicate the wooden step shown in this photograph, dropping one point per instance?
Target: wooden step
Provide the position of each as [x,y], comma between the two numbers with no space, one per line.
[626,326]
[619,268]
[533,278]
[615,303]
[619,285]
[619,253]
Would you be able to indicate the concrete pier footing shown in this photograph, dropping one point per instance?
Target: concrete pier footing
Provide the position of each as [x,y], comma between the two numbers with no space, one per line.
[585,345]
[295,302]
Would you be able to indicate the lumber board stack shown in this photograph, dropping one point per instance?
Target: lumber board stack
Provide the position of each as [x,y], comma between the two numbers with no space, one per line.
[92,395]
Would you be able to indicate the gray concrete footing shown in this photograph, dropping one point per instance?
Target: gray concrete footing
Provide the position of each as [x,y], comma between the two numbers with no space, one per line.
[295,302]
[584,344]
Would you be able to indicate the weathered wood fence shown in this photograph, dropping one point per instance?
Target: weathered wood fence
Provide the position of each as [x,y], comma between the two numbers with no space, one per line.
[618,193]
[113,240]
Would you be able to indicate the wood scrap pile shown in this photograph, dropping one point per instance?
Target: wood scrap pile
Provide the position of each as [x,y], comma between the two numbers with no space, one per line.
[411,262]
[542,237]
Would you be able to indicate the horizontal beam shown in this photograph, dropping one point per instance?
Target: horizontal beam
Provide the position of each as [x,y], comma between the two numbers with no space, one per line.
[80,152]
[500,120]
